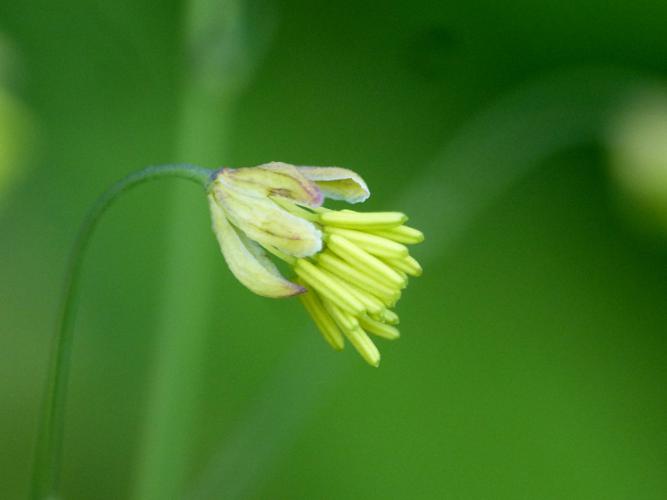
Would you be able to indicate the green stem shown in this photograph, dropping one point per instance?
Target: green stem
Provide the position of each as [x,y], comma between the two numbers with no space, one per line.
[48,457]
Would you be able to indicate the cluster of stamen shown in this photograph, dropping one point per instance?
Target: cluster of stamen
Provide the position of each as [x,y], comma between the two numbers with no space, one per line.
[357,278]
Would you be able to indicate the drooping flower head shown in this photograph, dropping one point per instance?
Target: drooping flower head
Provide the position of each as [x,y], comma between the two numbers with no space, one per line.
[350,266]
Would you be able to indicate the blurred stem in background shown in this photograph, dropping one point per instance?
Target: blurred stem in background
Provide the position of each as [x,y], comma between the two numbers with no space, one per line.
[17,126]
[219,55]
[48,456]
[638,158]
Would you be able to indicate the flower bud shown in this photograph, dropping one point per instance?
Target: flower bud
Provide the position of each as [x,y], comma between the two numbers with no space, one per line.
[352,265]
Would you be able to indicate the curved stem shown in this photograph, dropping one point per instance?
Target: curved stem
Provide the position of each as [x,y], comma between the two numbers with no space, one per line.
[46,468]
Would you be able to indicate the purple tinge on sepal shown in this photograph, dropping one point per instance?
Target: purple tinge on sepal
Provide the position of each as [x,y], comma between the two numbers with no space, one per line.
[308,192]
[274,179]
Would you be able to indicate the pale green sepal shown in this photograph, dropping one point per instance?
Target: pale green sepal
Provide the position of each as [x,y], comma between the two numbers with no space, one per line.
[338,183]
[247,260]
[265,222]
[276,179]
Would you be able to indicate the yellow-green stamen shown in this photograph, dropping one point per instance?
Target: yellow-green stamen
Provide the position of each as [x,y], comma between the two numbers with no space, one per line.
[294,209]
[373,244]
[363,261]
[387,294]
[371,303]
[407,265]
[322,319]
[328,287]
[378,328]
[350,219]
[387,316]
[401,234]
[357,337]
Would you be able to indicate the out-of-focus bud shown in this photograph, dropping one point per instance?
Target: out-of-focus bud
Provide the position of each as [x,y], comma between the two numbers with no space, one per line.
[17,127]
[638,146]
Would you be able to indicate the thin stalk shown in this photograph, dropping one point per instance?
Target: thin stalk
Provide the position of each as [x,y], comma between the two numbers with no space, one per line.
[49,450]
[218,56]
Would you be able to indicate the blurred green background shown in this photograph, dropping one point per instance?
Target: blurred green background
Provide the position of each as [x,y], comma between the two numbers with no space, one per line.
[529,142]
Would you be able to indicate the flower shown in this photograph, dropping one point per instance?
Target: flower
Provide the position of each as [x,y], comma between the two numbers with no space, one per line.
[350,266]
